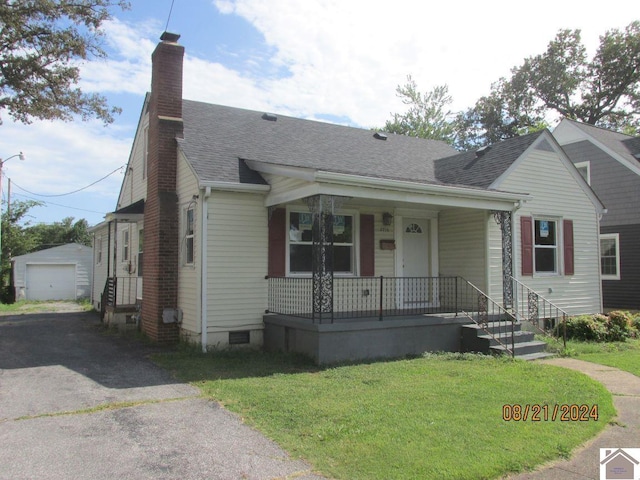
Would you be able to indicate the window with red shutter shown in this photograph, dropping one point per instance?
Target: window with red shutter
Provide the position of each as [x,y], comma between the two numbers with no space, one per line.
[367,246]
[526,240]
[567,226]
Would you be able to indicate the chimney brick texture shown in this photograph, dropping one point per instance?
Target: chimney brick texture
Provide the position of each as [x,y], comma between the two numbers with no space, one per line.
[161,218]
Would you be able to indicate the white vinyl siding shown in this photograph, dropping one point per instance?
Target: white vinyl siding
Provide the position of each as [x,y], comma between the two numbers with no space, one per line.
[556,194]
[134,184]
[384,259]
[189,276]
[462,245]
[237,263]
[99,269]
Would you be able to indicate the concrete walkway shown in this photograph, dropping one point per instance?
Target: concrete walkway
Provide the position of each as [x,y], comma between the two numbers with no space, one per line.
[585,463]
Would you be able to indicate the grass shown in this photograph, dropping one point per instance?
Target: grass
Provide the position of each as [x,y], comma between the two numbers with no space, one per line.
[23,307]
[438,416]
[622,355]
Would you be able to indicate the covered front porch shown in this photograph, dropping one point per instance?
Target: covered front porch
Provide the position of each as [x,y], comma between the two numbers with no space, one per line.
[381,317]
[364,268]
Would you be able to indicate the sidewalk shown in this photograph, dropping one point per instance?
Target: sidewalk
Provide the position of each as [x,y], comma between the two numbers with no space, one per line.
[585,462]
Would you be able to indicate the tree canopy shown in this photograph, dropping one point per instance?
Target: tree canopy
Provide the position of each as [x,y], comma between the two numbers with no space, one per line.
[561,82]
[42,43]
[427,116]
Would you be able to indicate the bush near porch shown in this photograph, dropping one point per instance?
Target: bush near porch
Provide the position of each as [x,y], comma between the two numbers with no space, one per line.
[616,326]
[437,416]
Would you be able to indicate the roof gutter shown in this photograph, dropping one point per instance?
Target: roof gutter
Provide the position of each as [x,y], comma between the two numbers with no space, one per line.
[235,187]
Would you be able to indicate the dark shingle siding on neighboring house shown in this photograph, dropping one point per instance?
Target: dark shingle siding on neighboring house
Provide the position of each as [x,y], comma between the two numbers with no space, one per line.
[616,185]
[624,293]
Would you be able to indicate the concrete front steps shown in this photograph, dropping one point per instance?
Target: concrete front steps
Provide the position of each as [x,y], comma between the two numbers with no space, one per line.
[476,339]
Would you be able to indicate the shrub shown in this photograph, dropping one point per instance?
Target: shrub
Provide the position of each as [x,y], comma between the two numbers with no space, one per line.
[618,326]
[615,327]
[585,327]
[635,325]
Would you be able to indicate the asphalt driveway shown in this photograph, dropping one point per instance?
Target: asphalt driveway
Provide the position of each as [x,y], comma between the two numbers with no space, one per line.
[56,369]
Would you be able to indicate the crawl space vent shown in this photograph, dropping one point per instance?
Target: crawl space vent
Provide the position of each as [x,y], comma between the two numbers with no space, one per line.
[237,338]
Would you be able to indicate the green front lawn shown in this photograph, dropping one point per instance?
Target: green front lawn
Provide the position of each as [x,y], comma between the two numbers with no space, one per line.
[440,416]
[622,355]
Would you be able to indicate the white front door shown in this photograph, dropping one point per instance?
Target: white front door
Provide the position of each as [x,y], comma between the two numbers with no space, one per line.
[415,261]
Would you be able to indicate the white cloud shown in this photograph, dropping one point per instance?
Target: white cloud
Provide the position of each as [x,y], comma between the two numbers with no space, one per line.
[128,67]
[347,57]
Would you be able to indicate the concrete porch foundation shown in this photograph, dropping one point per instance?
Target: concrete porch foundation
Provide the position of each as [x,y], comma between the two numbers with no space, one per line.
[363,338]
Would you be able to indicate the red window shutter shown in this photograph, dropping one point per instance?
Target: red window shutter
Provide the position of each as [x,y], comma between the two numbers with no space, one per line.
[567,235]
[278,243]
[367,246]
[526,236]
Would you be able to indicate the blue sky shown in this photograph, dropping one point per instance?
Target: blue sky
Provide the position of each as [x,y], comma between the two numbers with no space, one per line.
[332,60]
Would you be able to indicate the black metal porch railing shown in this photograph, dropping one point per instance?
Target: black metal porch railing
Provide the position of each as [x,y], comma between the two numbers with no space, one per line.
[531,307]
[119,291]
[362,297]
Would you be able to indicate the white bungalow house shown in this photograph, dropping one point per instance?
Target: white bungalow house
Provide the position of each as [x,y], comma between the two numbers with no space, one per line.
[334,241]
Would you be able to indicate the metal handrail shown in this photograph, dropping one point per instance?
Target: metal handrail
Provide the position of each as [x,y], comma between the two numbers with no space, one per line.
[536,308]
[120,291]
[487,310]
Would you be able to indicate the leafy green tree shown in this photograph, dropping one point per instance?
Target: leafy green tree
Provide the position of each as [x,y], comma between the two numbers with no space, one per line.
[562,82]
[42,43]
[48,235]
[16,239]
[427,116]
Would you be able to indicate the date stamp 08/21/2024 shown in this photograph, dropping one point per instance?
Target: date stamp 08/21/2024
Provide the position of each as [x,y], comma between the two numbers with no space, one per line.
[565,412]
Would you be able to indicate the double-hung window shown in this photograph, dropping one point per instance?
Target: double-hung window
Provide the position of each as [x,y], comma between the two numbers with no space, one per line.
[189,234]
[301,243]
[545,246]
[125,245]
[610,256]
[99,250]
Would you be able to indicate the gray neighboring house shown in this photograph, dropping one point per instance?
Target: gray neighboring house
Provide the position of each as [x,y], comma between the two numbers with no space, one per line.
[58,273]
[610,162]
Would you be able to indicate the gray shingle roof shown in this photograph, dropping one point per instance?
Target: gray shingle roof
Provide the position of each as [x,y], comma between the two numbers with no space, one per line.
[218,138]
[469,169]
[624,145]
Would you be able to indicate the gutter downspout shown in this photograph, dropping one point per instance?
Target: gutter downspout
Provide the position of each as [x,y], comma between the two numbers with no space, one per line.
[204,268]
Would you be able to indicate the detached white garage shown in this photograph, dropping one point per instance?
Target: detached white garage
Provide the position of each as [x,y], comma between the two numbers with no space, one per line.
[58,273]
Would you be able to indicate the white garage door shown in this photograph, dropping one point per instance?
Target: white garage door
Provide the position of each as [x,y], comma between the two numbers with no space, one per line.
[51,282]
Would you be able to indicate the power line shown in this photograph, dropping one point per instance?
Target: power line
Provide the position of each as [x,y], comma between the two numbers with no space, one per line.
[69,193]
[58,204]
[169,17]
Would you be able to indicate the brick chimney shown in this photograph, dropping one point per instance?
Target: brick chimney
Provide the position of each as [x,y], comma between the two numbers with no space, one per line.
[161,220]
